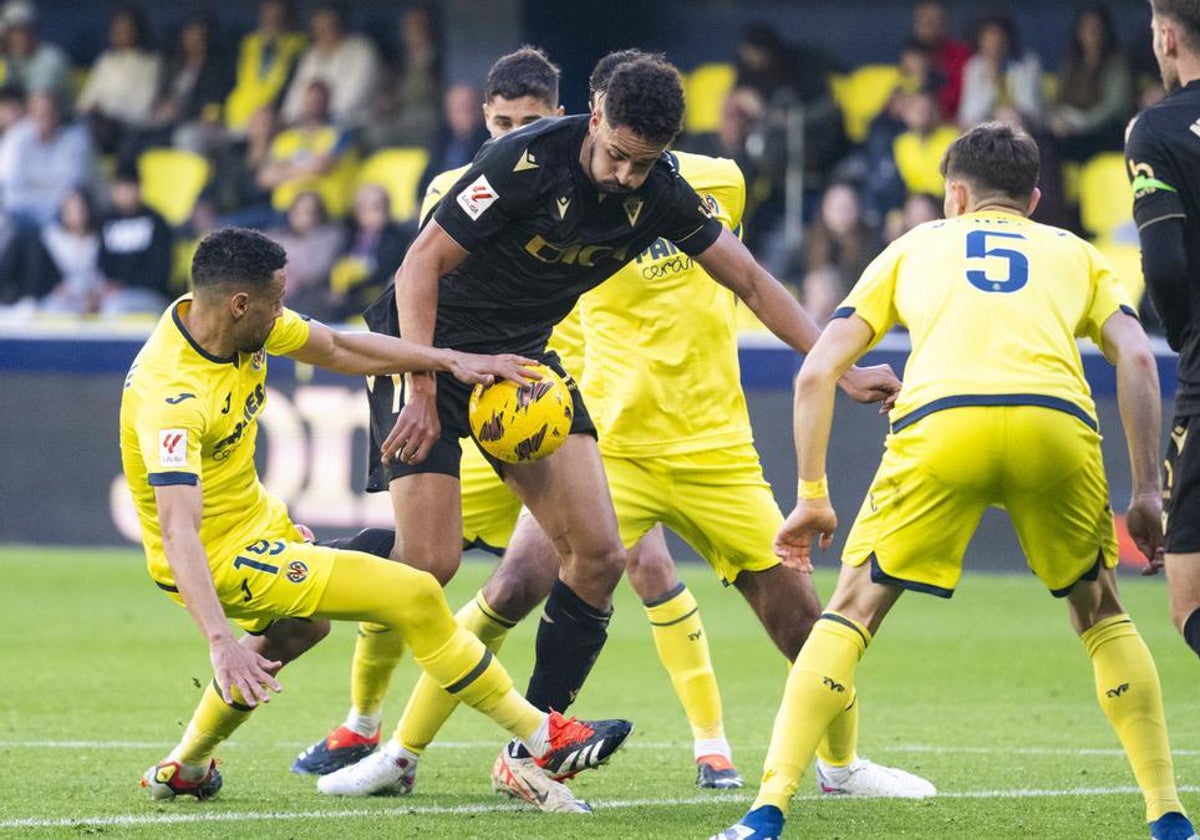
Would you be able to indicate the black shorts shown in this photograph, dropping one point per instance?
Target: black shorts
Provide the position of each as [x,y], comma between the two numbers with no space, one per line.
[452,400]
[1181,487]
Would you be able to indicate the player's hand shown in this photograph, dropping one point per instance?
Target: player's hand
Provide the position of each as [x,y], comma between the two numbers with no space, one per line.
[238,667]
[1144,521]
[877,383]
[811,518]
[417,428]
[475,369]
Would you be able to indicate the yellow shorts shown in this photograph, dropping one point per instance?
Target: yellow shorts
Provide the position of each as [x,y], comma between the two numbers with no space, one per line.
[939,475]
[267,580]
[716,500]
[489,508]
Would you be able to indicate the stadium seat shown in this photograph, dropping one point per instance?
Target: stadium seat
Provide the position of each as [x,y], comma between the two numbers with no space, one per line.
[862,95]
[1126,258]
[172,180]
[1105,201]
[398,171]
[706,88]
[335,187]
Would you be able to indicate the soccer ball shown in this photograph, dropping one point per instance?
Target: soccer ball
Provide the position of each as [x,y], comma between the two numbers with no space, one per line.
[515,423]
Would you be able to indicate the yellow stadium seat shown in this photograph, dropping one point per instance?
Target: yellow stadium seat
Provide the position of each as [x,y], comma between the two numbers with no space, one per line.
[862,95]
[1127,261]
[706,88]
[172,180]
[1105,201]
[398,171]
[1050,87]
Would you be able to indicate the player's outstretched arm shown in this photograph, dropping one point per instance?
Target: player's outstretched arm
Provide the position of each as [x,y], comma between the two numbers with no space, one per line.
[372,354]
[1140,402]
[843,341]
[732,265]
[180,508]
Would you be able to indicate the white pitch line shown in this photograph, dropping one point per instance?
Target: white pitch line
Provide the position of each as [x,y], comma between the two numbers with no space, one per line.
[433,810]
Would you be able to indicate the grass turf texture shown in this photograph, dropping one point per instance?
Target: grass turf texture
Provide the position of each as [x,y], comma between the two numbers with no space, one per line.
[990,696]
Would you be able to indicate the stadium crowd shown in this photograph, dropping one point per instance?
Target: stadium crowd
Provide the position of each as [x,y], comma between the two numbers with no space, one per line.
[323,137]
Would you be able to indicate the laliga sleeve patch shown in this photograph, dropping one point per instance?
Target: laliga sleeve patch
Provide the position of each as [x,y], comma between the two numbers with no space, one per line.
[477,197]
[172,447]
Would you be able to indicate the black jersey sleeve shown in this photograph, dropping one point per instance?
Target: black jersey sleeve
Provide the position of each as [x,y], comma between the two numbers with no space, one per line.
[493,190]
[1160,213]
[690,222]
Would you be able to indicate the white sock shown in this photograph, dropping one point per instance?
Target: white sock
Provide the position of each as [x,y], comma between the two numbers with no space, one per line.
[396,751]
[836,772]
[364,725]
[711,746]
[538,743]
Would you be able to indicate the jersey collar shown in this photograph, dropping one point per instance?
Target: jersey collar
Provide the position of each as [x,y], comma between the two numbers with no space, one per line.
[231,360]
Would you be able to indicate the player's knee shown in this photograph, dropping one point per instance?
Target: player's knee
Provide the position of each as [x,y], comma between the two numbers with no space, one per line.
[514,592]
[441,562]
[651,573]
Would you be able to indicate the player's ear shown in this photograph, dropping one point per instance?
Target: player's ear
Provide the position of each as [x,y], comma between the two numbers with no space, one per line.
[560,111]
[1034,198]
[239,302]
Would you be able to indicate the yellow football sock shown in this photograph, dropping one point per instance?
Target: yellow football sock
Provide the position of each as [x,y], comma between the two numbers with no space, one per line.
[365,588]
[683,651]
[1131,697]
[377,652]
[841,738]
[817,687]
[213,721]
[430,705]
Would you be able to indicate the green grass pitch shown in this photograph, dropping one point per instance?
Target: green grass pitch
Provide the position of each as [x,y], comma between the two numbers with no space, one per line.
[990,696]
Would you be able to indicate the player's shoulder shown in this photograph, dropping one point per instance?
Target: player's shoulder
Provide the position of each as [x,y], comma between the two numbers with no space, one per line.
[1173,116]
[443,181]
[537,147]
[704,172]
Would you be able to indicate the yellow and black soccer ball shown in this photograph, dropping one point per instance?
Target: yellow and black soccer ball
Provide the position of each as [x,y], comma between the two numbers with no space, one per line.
[515,423]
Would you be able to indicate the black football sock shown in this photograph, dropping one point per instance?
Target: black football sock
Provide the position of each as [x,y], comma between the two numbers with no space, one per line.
[1191,631]
[377,541]
[570,637]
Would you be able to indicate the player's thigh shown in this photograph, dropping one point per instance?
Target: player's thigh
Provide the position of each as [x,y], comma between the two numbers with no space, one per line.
[925,501]
[1181,518]
[724,509]
[489,507]
[1055,490]
[428,513]
[360,587]
[272,578]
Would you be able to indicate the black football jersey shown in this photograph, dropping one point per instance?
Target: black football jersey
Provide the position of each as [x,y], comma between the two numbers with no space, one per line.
[539,234]
[1162,152]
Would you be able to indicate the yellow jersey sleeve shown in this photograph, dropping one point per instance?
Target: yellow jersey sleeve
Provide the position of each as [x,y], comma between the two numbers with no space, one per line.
[873,297]
[1108,297]
[169,430]
[437,188]
[720,183]
[289,333]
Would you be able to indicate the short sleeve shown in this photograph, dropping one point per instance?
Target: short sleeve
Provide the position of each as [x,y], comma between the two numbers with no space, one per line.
[1153,175]
[289,334]
[873,297]
[436,191]
[727,199]
[494,190]
[1108,297]
[690,221]
[169,430]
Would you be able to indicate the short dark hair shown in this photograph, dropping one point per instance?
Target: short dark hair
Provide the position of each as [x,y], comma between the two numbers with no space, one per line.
[526,72]
[995,158]
[1184,12]
[646,96]
[238,257]
[602,72]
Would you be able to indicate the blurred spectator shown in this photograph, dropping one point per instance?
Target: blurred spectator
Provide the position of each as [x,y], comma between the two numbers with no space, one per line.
[918,209]
[266,57]
[187,111]
[918,151]
[837,248]
[239,186]
[374,250]
[918,73]
[1000,76]
[135,252]
[42,158]
[12,107]
[120,89]
[312,243]
[71,258]
[463,132]
[1095,89]
[930,29]
[32,64]
[306,157]
[406,112]
[346,63]
[203,221]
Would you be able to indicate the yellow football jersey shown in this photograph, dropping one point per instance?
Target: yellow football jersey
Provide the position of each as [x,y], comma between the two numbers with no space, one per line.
[567,338]
[189,417]
[993,302]
[661,372]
